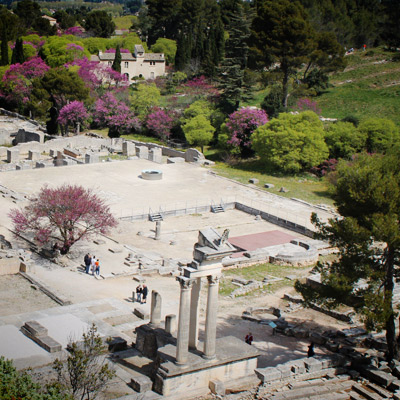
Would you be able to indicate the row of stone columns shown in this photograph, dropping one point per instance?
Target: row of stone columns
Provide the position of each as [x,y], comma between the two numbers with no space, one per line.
[189,314]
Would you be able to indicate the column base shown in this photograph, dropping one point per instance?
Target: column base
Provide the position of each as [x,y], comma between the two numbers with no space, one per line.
[180,364]
[208,357]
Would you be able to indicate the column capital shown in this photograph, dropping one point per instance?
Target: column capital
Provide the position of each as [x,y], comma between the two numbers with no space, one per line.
[213,279]
[185,283]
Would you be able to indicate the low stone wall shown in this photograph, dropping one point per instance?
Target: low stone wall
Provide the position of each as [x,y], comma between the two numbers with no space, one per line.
[21,117]
[190,155]
[9,266]
[284,223]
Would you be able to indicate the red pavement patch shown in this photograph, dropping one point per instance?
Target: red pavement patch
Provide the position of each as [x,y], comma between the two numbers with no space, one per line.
[258,240]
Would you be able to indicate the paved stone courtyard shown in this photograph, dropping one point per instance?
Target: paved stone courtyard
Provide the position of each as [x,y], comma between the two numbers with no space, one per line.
[108,301]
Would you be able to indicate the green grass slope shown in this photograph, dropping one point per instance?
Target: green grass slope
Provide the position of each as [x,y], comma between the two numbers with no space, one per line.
[368,87]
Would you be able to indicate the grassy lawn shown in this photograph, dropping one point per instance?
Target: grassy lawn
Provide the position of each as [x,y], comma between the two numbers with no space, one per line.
[305,186]
[368,87]
[259,272]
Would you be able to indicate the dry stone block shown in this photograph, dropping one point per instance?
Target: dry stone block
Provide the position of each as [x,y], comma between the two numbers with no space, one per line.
[254,180]
[128,149]
[298,367]
[312,364]
[12,155]
[217,387]
[285,370]
[379,377]
[141,313]
[268,374]
[141,383]
[34,155]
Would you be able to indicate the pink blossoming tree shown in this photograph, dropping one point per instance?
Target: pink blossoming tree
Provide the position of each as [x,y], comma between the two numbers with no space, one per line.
[114,114]
[240,126]
[63,216]
[305,104]
[73,114]
[16,84]
[160,123]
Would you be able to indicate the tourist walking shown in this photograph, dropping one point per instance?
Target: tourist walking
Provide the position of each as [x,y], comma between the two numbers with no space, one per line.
[249,338]
[139,294]
[145,291]
[87,260]
[93,264]
[311,352]
[97,267]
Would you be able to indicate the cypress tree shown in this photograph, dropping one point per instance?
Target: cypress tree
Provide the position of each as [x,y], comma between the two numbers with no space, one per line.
[231,71]
[4,47]
[18,52]
[116,66]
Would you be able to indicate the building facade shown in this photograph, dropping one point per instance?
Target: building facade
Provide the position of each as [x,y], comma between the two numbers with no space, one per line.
[140,64]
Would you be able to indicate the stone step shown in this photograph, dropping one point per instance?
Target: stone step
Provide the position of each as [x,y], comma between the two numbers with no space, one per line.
[217,209]
[355,396]
[155,217]
[380,390]
[332,396]
[314,391]
[366,392]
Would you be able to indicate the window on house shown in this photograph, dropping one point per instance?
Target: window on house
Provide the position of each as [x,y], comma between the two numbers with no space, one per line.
[110,63]
[126,64]
[152,63]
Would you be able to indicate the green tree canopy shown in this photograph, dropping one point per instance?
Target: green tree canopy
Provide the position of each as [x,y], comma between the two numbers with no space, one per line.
[59,50]
[198,131]
[282,34]
[199,107]
[344,140]
[166,46]
[291,143]
[381,134]
[144,98]
[367,195]
[100,23]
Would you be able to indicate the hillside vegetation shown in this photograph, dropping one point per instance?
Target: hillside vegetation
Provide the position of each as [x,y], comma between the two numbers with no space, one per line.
[368,87]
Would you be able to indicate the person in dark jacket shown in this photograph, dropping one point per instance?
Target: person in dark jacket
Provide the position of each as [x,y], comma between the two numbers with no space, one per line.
[87,260]
[145,292]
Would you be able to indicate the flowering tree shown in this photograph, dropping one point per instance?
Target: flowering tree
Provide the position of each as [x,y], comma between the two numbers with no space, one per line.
[305,104]
[160,123]
[73,114]
[199,87]
[63,215]
[98,77]
[16,84]
[114,114]
[240,126]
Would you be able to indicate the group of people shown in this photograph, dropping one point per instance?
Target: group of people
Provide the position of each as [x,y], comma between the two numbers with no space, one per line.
[92,264]
[141,293]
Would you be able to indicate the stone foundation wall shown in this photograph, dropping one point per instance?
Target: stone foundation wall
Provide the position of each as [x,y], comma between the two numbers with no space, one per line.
[198,381]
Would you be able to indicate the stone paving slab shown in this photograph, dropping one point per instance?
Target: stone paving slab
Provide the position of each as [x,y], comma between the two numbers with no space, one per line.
[14,344]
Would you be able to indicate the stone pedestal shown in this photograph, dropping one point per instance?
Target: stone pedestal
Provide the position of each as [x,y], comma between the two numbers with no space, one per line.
[182,347]
[155,316]
[12,155]
[158,230]
[170,324]
[128,149]
[234,363]
[91,158]
[155,155]
[34,155]
[142,152]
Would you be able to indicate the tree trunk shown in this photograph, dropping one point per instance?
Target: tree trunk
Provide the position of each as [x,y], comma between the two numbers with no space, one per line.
[393,350]
[285,86]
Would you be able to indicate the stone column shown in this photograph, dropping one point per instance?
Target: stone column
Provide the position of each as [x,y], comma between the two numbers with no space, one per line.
[170,323]
[158,230]
[194,314]
[155,315]
[211,318]
[182,344]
